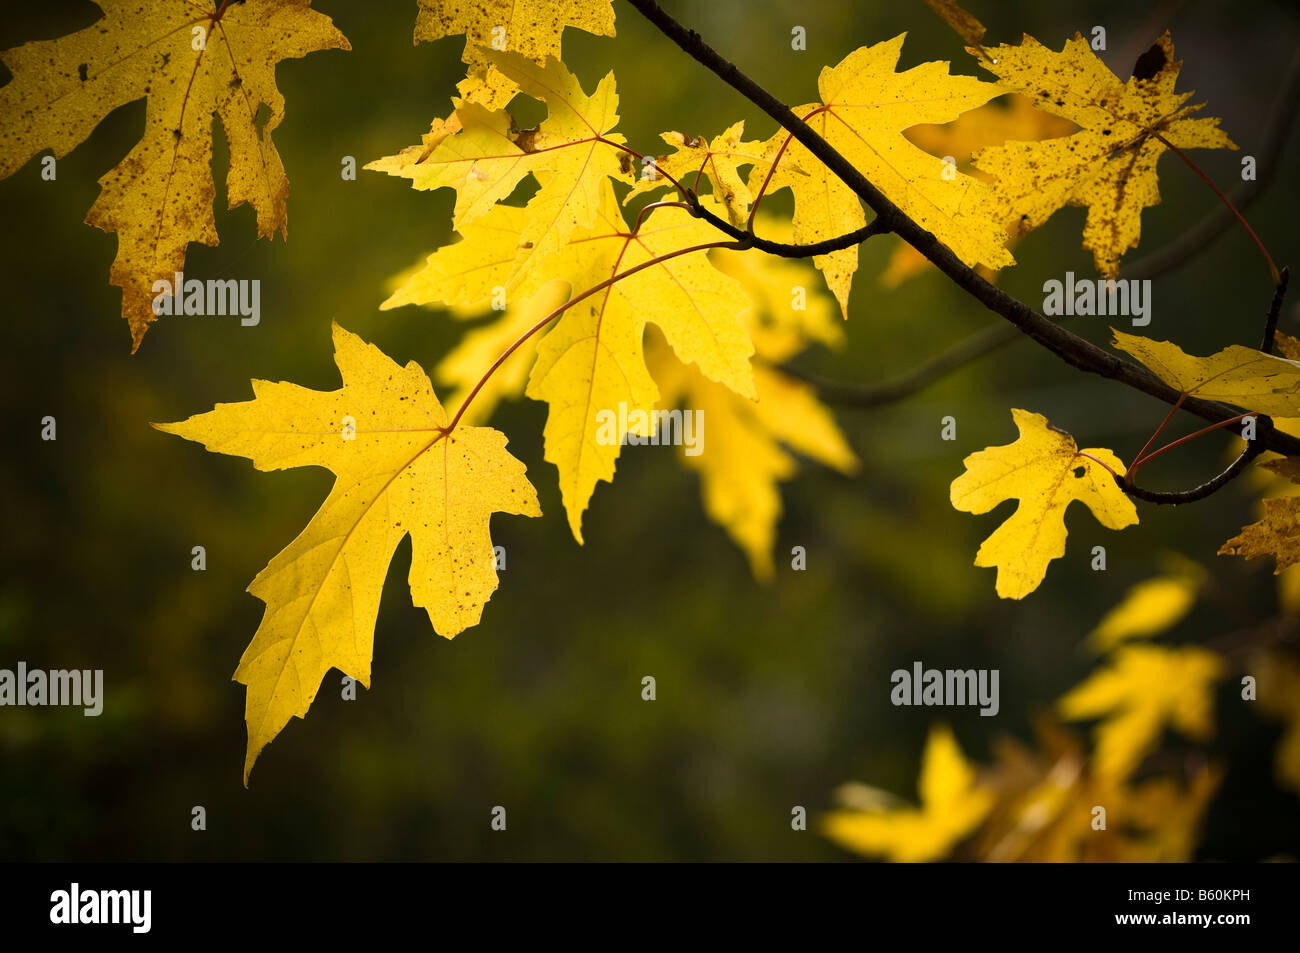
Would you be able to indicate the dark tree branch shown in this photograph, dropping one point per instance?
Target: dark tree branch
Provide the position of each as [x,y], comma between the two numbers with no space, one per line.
[1074,350]
[784,250]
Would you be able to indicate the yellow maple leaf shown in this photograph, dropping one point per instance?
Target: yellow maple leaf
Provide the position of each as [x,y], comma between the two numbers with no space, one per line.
[717,160]
[481,161]
[190,65]
[1045,471]
[1109,165]
[1243,376]
[1145,688]
[570,154]
[952,805]
[531,28]
[591,367]
[1276,535]
[381,435]
[1150,607]
[865,107]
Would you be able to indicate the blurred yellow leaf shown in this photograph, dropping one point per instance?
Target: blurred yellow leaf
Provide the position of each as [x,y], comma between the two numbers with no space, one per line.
[746,458]
[952,805]
[1145,688]
[965,25]
[1149,608]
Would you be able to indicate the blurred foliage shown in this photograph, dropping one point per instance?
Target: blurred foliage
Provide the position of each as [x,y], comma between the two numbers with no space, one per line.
[768,696]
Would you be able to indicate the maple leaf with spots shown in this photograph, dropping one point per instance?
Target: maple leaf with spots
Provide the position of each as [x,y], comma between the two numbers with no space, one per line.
[1109,165]
[399,472]
[192,61]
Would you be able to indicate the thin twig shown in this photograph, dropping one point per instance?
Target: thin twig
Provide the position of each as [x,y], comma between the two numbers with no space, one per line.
[1173,498]
[784,250]
[1274,310]
[1236,213]
[1253,448]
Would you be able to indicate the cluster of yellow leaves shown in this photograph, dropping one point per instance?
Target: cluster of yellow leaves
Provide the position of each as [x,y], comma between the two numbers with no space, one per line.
[1041,806]
[711,310]
[190,67]
[714,312]
[1046,801]
[745,460]
[397,473]
[1028,806]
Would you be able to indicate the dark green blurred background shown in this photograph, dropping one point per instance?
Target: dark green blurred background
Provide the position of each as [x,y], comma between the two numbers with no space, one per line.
[768,696]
